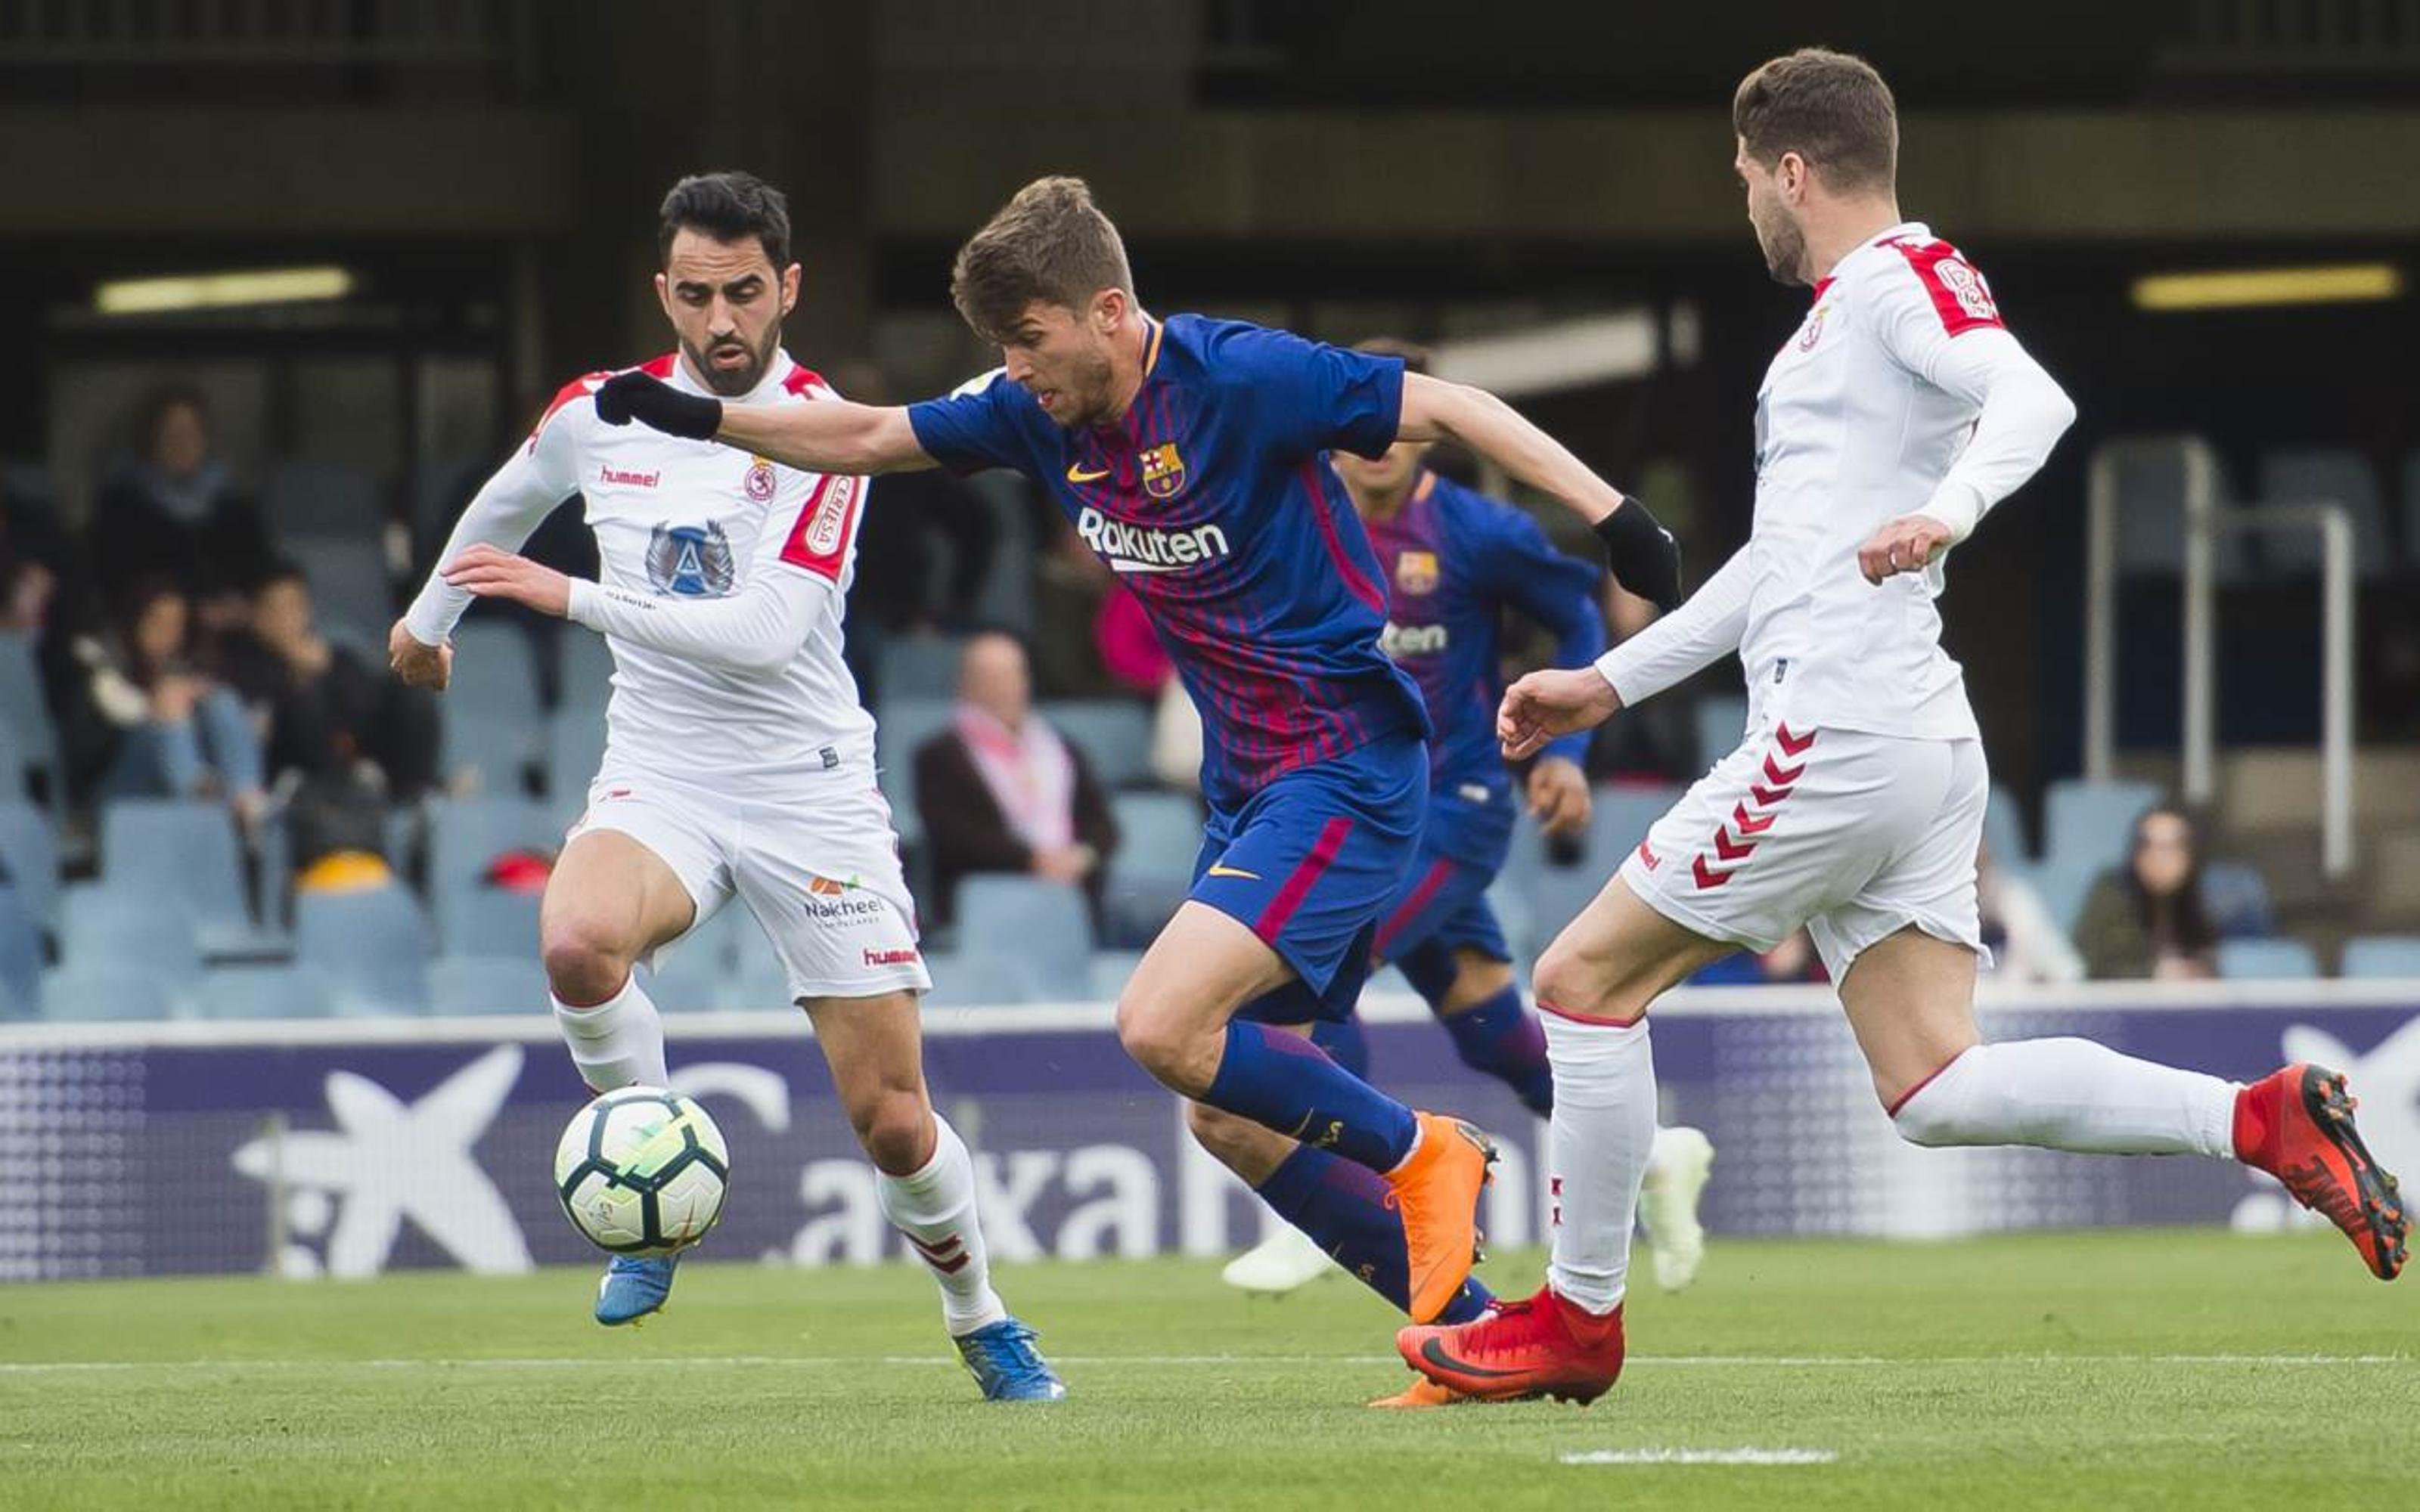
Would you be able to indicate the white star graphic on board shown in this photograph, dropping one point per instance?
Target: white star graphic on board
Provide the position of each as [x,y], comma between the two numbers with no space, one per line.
[389,1160]
[2388,1082]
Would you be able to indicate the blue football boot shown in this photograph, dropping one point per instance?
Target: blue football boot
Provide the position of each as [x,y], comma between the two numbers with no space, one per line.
[633,1288]
[1004,1362]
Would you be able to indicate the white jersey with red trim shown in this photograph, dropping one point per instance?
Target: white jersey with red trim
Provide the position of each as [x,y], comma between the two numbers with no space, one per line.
[1853,433]
[682,525]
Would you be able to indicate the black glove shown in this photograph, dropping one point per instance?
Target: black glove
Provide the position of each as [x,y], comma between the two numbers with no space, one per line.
[1646,560]
[658,406]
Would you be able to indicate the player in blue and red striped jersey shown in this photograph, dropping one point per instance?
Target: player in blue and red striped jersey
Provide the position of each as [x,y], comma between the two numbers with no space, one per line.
[1455,561]
[1190,454]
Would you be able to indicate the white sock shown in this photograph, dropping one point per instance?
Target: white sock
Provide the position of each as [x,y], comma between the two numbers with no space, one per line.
[935,1207]
[2070,1094]
[618,1042]
[1597,1145]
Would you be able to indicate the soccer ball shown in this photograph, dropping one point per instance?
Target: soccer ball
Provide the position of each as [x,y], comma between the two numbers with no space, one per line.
[642,1171]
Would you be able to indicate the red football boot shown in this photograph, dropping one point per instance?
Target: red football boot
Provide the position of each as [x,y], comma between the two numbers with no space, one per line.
[2297,1125]
[1543,1347]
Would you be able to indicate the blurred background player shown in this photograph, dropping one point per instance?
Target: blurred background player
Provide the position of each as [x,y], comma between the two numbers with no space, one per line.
[1899,414]
[1454,560]
[1188,455]
[738,760]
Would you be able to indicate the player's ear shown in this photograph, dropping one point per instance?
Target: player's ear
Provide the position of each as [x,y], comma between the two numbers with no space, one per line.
[1109,310]
[665,295]
[790,278]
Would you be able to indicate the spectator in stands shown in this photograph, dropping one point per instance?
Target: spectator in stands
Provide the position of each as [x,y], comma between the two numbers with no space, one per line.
[173,510]
[1000,791]
[1070,585]
[2147,919]
[2026,942]
[149,720]
[339,733]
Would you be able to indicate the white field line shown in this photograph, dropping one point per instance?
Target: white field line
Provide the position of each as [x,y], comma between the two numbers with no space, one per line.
[826,1361]
[1700,1457]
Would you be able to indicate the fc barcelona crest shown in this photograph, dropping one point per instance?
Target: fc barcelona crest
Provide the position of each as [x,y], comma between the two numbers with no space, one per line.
[1415,572]
[1163,471]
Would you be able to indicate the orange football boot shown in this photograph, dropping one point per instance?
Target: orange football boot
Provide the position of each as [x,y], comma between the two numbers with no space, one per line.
[2296,1124]
[1437,1188]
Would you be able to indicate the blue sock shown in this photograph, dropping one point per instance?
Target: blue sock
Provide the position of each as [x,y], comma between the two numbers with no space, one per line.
[1283,1082]
[1345,1043]
[1504,1039]
[1349,1210]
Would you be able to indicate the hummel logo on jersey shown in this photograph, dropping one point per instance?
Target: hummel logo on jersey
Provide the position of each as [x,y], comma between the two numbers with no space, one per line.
[1402,641]
[1075,473]
[618,478]
[1130,548]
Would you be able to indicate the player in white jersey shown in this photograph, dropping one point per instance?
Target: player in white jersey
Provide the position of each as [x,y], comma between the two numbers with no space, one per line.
[738,762]
[1895,417]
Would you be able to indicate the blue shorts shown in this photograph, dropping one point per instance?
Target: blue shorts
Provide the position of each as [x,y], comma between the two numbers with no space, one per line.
[1309,863]
[1442,906]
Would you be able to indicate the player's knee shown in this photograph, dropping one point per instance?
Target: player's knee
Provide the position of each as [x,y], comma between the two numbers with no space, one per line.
[1162,1044]
[586,960]
[895,1128]
[1570,980]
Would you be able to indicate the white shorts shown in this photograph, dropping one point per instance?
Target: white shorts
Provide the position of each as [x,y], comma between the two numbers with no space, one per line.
[816,862]
[1855,836]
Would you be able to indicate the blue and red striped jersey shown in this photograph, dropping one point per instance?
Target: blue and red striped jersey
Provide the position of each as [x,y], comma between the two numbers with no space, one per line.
[1454,560]
[1212,502]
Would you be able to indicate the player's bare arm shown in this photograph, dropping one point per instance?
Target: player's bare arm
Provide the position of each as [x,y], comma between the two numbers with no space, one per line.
[1556,701]
[1645,557]
[832,436]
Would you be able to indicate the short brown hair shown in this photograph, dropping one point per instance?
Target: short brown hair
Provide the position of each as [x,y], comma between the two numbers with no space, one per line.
[1414,356]
[1830,108]
[1050,243]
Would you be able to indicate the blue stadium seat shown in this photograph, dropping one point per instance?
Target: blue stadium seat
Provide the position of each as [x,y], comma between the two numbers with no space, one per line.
[29,851]
[185,853]
[373,945]
[2236,897]
[758,982]
[1006,598]
[465,836]
[2091,825]
[1044,924]
[1554,896]
[491,921]
[919,667]
[2271,960]
[103,995]
[2064,886]
[2325,474]
[2151,522]
[21,958]
[575,747]
[903,724]
[1722,724]
[1619,819]
[1114,734]
[28,715]
[494,725]
[2003,827]
[2383,955]
[487,985]
[128,926]
[351,590]
[324,499]
[1160,837]
[283,991]
[983,978]
[700,973]
[583,678]
[1109,972]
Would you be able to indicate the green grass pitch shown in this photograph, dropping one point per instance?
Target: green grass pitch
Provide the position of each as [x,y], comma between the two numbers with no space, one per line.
[2178,1368]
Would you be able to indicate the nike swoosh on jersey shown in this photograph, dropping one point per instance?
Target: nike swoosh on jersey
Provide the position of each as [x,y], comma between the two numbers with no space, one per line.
[1075,473]
[1232,871]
